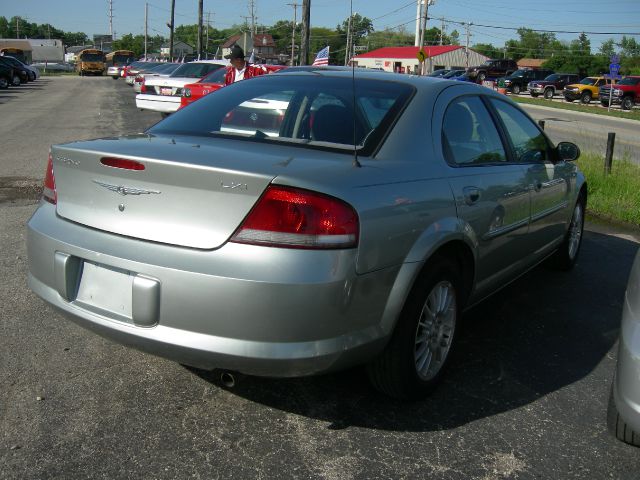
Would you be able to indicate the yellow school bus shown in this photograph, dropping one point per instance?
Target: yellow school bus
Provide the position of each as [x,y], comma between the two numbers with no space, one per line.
[19,53]
[90,60]
[116,60]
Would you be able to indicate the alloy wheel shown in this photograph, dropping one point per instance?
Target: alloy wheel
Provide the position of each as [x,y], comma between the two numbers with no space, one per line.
[434,333]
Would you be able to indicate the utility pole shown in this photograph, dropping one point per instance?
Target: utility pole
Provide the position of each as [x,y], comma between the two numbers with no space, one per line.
[111,19]
[199,47]
[293,33]
[17,27]
[466,48]
[206,47]
[424,29]
[146,19]
[306,25]
[347,49]
[173,14]
[441,30]
[252,6]
[418,19]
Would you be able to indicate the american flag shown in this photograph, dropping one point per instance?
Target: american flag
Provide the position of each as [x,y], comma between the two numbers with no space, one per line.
[322,58]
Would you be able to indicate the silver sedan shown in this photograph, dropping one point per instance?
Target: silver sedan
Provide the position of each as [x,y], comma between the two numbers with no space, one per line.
[624,403]
[304,222]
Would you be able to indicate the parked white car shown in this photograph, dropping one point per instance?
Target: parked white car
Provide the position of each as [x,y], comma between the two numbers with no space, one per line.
[164,70]
[163,94]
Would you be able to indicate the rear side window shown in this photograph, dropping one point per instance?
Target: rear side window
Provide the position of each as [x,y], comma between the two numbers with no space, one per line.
[469,135]
[300,109]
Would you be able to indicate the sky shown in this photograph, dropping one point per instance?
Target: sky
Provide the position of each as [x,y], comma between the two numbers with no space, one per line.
[493,21]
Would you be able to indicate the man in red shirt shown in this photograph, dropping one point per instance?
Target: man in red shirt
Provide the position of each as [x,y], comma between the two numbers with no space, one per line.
[239,68]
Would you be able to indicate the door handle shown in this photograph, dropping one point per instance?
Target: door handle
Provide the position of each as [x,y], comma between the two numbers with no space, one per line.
[471,195]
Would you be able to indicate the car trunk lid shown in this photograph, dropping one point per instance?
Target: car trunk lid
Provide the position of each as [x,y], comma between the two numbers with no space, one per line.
[186,194]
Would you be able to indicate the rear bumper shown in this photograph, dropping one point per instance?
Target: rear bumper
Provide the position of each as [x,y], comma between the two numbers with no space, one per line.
[626,387]
[158,103]
[256,310]
[113,71]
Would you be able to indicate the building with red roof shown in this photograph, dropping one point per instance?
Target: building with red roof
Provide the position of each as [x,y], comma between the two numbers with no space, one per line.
[405,59]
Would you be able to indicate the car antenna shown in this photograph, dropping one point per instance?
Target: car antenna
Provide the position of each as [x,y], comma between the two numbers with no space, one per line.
[356,163]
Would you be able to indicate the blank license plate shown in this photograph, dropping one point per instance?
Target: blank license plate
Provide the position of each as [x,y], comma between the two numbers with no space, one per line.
[106,288]
[165,91]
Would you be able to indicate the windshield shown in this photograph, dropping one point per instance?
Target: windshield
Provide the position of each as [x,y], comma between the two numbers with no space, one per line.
[302,110]
[122,59]
[519,73]
[553,78]
[453,73]
[217,76]
[195,70]
[91,57]
[588,81]
[629,81]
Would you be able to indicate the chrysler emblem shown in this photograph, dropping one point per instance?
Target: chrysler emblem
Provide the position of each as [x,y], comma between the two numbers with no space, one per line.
[124,190]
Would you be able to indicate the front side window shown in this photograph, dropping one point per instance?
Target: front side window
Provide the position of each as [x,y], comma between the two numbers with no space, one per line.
[528,142]
[469,136]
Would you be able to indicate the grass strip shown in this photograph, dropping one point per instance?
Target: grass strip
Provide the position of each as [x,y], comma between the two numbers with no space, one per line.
[616,111]
[615,196]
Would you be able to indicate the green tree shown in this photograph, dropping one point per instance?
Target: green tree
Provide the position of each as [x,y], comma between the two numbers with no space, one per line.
[488,49]
[455,38]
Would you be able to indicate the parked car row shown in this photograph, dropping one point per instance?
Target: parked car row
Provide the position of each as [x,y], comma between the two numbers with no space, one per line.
[14,73]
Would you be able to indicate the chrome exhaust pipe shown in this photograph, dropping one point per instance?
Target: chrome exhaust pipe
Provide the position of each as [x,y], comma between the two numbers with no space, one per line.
[227,379]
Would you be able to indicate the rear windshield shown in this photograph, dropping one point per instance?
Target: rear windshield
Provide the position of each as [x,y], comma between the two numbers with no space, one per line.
[195,70]
[92,57]
[302,110]
[165,68]
[629,81]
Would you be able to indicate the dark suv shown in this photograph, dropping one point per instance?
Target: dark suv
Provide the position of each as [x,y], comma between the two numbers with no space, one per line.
[552,84]
[518,80]
[492,69]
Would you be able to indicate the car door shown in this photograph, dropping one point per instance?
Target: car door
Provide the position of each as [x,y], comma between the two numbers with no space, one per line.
[491,193]
[548,180]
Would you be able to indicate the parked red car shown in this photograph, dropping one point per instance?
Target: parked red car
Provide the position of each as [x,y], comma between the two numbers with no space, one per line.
[210,83]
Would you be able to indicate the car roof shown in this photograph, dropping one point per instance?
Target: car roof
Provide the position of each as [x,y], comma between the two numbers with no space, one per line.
[217,62]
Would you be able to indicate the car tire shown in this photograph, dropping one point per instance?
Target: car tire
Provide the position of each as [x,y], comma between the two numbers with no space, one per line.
[617,426]
[516,89]
[481,77]
[548,93]
[567,254]
[417,355]
[15,81]
[4,83]
[534,95]
[585,97]
[627,103]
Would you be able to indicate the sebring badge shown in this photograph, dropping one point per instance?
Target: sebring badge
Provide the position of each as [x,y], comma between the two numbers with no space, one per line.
[122,190]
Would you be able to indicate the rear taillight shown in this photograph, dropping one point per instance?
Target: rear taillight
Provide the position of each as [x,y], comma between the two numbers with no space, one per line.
[139,79]
[49,191]
[294,218]
[143,87]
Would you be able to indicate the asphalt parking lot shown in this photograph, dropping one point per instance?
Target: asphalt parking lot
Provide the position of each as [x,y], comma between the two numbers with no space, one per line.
[525,397]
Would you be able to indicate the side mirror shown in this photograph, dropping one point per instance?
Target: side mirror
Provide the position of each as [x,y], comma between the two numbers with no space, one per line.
[567,151]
